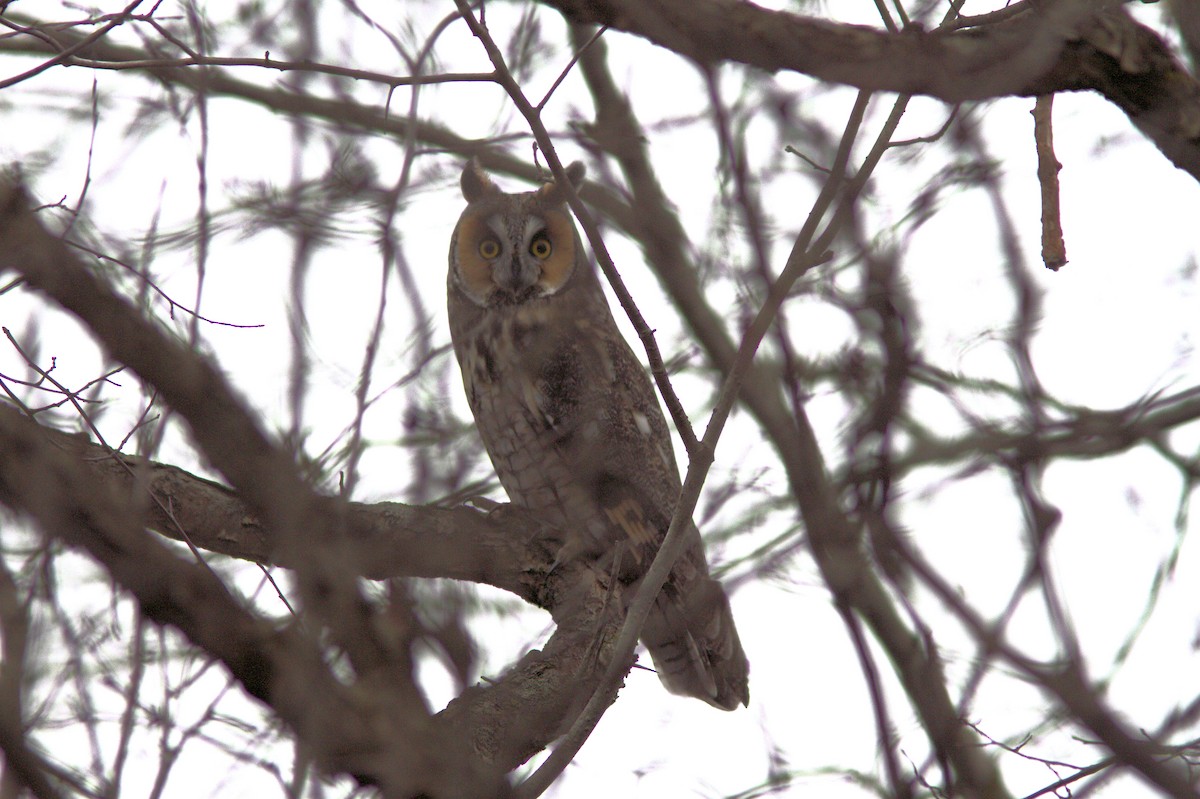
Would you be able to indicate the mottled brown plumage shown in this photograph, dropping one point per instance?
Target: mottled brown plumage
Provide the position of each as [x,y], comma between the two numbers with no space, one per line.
[571,421]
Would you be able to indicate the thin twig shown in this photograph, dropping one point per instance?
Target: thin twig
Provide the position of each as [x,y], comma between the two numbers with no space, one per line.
[21,762]
[74,399]
[570,64]
[700,456]
[66,54]
[1054,249]
[1065,681]
[591,230]
[266,62]
[171,302]
[900,788]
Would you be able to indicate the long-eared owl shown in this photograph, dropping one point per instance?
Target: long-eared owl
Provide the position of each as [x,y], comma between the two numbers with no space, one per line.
[571,421]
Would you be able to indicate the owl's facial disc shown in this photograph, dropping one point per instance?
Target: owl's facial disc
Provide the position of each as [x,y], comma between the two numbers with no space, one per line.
[550,242]
[502,263]
[516,272]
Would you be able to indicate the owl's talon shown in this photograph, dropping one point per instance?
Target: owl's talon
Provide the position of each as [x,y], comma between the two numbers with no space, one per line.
[485,504]
[569,551]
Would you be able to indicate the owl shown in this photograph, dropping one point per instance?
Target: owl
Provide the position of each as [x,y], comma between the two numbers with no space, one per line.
[572,423]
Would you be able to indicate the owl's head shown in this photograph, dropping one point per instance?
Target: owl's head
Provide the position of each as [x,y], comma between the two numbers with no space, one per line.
[510,248]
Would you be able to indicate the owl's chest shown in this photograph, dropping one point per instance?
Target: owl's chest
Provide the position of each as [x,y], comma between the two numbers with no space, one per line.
[532,372]
[536,384]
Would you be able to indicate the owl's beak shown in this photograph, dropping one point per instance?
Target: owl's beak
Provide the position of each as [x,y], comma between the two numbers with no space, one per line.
[513,276]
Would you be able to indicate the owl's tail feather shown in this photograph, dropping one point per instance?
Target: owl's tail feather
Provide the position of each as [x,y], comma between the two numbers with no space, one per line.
[695,646]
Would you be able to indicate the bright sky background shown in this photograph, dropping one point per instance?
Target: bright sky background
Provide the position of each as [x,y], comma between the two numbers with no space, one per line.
[1119,324]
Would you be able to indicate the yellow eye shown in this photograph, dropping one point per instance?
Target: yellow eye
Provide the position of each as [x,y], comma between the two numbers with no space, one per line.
[489,248]
[540,248]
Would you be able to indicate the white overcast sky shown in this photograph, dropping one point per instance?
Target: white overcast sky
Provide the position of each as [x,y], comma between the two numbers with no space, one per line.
[1119,324]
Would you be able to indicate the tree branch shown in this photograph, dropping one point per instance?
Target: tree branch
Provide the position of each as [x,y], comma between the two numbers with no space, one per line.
[1071,45]
[836,542]
[503,723]
[300,526]
[354,732]
[383,540]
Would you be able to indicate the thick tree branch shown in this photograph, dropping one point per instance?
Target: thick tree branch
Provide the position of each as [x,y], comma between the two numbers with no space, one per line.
[509,721]
[355,732]
[502,724]
[341,112]
[110,526]
[300,526]
[955,67]
[1132,67]
[383,540]
[1072,45]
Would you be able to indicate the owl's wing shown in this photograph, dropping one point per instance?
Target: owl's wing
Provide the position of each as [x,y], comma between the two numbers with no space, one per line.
[694,644]
[690,633]
[576,433]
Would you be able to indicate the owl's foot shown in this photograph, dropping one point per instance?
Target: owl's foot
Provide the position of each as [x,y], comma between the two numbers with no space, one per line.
[485,504]
[571,549]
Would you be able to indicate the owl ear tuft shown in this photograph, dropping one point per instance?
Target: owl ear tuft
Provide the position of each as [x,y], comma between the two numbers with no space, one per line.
[475,182]
[550,192]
